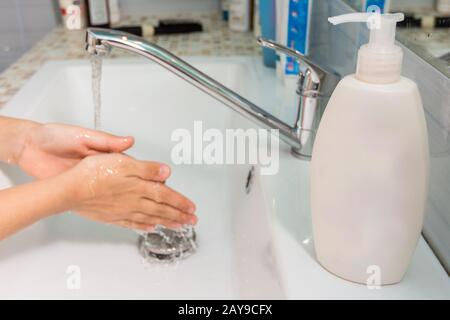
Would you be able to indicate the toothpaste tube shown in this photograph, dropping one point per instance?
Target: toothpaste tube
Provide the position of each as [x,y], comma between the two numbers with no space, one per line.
[295,23]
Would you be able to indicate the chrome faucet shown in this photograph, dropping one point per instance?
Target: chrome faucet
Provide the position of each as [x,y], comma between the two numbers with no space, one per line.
[314,88]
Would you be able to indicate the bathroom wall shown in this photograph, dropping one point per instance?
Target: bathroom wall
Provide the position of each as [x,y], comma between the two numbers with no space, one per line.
[416,4]
[149,7]
[337,47]
[22,24]
[411,5]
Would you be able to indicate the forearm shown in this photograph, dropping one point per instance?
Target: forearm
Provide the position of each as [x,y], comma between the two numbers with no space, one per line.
[24,205]
[12,135]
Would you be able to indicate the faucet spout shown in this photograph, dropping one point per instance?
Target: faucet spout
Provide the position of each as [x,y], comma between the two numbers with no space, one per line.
[99,41]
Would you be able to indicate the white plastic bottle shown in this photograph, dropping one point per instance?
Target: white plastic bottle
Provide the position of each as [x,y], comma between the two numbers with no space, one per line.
[369,170]
[239,16]
[73,14]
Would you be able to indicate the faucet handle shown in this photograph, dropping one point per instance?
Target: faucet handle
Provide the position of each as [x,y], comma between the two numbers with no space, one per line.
[315,79]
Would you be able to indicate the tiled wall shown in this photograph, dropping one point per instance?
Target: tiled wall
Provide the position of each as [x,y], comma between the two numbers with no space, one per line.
[337,47]
[151,7]
[417,4]
[22,24]
[397,5]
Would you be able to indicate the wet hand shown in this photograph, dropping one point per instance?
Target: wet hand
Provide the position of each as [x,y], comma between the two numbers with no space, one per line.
[117,189]
[50,149]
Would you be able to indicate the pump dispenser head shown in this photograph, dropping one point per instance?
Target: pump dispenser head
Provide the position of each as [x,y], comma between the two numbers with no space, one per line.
[379,61]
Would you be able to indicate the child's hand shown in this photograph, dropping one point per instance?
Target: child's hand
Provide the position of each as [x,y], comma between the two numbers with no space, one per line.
[50,149]
[117,189]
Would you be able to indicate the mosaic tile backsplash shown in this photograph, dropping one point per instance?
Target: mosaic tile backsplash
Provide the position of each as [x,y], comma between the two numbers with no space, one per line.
[60,44]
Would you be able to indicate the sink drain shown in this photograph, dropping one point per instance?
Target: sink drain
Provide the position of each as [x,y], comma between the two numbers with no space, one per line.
[167,244]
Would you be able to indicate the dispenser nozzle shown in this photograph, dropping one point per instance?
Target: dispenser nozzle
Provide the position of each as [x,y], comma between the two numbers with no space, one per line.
[382,26]
[380,60]
[366,17]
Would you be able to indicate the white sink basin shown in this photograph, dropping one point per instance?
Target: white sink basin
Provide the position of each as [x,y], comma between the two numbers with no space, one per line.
[255,245]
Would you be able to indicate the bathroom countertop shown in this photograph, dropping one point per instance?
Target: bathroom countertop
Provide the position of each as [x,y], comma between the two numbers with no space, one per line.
[61,44]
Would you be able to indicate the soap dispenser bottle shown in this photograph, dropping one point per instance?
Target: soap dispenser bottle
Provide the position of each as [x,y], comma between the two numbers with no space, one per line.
[369,170]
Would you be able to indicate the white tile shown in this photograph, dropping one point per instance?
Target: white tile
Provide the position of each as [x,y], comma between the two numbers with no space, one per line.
[38,18]
[9,20]
[6,62]
[7,3]
[10,42]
